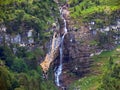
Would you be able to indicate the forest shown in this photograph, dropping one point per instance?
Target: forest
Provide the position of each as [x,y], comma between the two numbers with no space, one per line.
[90,46]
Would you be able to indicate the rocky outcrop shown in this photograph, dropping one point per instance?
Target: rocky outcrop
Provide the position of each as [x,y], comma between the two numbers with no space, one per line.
[56,40]
[76,51]
[23,39]
[52,54]
[76,59]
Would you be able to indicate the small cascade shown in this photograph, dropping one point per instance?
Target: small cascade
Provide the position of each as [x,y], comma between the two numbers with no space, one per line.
[56,46]
[58,72]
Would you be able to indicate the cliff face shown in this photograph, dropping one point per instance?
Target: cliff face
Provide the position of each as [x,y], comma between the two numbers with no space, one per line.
[27,26]
[52,54]
[80,44]
[76,60]
[76,51]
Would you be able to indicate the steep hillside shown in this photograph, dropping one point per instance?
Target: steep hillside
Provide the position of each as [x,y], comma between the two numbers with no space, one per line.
[25,27]
[27,13]
[104,73]
[101,17]
[76,42]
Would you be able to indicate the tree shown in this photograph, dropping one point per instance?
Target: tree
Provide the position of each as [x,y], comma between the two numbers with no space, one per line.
[5,79]
[19,65]
[111,79]
[6,55]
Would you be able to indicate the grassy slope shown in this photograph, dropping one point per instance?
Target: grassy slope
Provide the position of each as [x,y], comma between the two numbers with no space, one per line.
[99,67]
[87,10]
[88,7]
[102,12]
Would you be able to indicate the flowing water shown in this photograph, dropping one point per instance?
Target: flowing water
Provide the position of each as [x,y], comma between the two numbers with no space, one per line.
[58,72]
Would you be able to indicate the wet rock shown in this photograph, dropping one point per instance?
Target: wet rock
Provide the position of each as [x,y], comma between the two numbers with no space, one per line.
[76,55]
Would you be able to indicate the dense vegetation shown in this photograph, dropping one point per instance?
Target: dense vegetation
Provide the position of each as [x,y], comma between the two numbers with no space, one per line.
[105,69]
[102,12]
[97,14]
[105,73]
[20,70]
[21,15]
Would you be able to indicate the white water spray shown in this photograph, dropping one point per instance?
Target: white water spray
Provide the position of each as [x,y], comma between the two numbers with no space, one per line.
[59,69]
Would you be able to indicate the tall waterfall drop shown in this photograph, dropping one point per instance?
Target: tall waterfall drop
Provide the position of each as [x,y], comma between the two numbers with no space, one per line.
[59,69]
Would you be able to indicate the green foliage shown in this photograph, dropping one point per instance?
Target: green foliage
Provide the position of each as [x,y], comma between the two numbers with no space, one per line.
[7,81]
[114,2]
[100,11]
[86,83]
[21,15]
[6,55]
[93,43]
[110,63]
[24,71]
[111,79]
[105,73]
[21,52]
[19,65]
[48,86]
[31,60]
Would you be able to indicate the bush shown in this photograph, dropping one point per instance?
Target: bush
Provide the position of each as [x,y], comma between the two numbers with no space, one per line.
[19,65]
[111,78]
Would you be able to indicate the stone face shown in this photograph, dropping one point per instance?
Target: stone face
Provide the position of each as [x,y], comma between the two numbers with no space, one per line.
[46,63]
[50,57]
[76,53]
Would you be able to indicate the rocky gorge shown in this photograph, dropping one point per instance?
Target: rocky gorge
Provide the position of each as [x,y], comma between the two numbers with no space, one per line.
[78,48]
[59,45]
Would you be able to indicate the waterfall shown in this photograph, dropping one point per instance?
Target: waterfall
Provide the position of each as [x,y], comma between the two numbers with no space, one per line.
[59,69]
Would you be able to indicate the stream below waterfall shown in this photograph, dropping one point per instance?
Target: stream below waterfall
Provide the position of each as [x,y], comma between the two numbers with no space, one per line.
[58,71]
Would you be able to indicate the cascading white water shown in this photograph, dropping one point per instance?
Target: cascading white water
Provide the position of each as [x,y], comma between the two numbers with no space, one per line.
[59,69]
